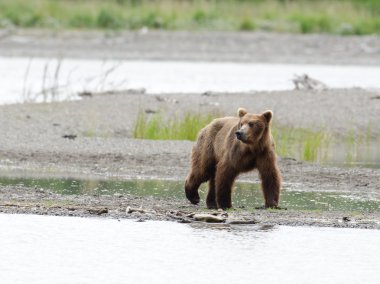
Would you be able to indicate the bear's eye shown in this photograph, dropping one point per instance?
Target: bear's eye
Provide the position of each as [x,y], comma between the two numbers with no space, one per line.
[251,124]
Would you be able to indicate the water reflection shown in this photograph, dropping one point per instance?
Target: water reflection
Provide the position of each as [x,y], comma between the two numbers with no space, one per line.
[232,228]
[246,195]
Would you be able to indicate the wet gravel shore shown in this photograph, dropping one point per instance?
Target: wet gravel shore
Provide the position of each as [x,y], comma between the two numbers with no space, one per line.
[92,138]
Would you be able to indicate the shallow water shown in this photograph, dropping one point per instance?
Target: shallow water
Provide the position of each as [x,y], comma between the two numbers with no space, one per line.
[46,249]
[26,78]
[246,195]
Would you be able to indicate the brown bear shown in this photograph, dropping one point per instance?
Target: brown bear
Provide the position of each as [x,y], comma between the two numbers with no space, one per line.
[227,147]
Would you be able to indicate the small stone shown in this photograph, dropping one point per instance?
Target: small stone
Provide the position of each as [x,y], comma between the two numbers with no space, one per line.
[69,136]
[346,219]
[184,221]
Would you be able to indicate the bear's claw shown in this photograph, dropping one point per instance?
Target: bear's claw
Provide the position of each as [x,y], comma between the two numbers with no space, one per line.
[193,197]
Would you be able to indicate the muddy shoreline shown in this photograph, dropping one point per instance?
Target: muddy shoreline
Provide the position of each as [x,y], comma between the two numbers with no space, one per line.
[33,144]
[20,200]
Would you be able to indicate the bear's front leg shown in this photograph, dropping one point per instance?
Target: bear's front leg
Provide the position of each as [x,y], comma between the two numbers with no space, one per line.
[191,188]
[224,180]
[270,179]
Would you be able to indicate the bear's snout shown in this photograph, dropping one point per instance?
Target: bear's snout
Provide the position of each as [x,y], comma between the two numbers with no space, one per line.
[239,135]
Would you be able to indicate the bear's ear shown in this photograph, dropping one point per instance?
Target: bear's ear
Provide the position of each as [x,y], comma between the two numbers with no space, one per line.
[241,112]
[268,115]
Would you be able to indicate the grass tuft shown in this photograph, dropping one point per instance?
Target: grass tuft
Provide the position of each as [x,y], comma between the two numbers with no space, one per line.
[156,127]
[303,144]
[247,25]
[299,143]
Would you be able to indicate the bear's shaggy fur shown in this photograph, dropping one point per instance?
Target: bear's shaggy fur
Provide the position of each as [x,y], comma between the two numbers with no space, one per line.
[227,147]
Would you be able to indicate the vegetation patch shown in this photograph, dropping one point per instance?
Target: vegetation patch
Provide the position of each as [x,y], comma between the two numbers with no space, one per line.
[156,127]
[299,143]
[299,16]
[303,144]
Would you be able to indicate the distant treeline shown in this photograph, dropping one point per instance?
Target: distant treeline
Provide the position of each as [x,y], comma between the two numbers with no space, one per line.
[295,16]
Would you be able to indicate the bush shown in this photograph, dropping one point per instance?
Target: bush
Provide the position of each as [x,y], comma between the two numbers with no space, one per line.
[108,19]
[247,25]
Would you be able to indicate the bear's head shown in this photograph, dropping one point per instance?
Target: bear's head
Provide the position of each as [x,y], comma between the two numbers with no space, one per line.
[253,127]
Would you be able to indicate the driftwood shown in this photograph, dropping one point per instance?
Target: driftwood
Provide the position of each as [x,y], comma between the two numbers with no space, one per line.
[241,222]
[98,211]
[89,94]
[130,210]
[167,100]
[305,82]
[178,217]
[209,218]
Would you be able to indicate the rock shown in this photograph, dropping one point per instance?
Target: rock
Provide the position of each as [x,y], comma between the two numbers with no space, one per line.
[184,221]
[69,136]
[150,111]
[85,94]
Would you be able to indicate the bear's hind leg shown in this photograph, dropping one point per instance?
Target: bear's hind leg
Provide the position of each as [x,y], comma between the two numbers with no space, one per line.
[202,168]
[211,195]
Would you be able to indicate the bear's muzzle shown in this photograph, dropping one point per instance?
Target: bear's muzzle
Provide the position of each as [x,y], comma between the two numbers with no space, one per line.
[239,135]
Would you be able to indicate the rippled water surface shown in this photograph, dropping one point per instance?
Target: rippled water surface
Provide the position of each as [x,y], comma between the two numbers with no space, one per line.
[46,249]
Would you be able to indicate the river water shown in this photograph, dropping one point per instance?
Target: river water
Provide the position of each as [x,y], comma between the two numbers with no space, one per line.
[47,249]
[38,79]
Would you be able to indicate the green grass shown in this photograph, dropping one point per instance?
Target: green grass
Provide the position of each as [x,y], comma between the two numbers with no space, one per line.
[298,16]
[299,143]
[303,144]
[156,127]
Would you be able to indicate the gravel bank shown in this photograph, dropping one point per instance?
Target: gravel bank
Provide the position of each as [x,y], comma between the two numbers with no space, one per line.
[32,144]
[199,46]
